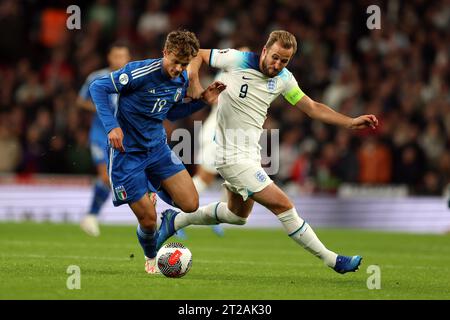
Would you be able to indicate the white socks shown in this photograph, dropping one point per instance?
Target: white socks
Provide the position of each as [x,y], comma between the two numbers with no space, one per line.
[213,213]
[304,235]
[295,226]
[225,215]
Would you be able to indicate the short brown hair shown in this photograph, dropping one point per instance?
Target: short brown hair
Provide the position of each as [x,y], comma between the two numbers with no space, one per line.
[182,43]
[286,40]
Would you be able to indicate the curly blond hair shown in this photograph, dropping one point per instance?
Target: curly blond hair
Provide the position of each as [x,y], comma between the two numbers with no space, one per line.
[182,43]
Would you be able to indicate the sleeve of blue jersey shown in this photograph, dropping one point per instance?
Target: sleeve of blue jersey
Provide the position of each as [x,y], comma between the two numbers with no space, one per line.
[100,90]
[182,110]
[121,79]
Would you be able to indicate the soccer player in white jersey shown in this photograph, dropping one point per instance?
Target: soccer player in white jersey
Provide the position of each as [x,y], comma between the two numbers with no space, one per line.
[253,82]
[206,170]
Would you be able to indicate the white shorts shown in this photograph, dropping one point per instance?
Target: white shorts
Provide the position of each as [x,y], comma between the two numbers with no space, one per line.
[208,156]
[244,178]
[208,145]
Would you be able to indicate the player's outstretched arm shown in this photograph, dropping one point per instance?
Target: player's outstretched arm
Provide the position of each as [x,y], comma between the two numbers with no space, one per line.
[208,97]
[195,64]
[322,112]
[195,88]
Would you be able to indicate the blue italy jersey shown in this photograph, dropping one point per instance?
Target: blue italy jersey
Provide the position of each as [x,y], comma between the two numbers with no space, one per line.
[147,96]
[97,132]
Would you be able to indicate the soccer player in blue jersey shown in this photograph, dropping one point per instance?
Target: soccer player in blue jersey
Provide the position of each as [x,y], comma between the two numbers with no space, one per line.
[253,81]
[150,91]
[118,56]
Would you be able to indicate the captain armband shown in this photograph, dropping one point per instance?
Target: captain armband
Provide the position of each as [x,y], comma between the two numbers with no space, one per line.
[294,95]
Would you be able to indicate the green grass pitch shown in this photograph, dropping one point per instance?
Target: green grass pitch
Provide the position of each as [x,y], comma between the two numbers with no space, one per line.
[245,264]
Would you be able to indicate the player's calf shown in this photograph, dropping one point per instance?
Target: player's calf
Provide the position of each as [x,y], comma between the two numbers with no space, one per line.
[186,205]
[189,205]
[182,191]
[274,199]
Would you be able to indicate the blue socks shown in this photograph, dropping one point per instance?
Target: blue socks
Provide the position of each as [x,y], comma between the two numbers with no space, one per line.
[101,194]
[147,239]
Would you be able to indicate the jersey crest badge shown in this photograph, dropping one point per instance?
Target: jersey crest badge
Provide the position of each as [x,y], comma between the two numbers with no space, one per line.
[123,79]
[260,176]
[272,84]
[177,95]
[121,193]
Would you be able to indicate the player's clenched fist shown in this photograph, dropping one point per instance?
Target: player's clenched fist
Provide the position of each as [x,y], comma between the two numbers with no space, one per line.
[115,137]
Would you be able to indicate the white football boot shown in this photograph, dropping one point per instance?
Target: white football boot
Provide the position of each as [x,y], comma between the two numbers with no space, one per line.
[89,224]
[151,267]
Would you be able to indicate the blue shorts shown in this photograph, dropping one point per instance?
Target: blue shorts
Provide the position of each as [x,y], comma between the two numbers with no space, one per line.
[99,152]
[133,174]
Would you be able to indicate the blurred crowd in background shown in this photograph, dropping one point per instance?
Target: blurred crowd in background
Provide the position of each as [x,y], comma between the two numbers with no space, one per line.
[400,73]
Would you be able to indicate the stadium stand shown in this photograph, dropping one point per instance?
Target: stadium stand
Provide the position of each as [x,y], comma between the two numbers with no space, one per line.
[400,73]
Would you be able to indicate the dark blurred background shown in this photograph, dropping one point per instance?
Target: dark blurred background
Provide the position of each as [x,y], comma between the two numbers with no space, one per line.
[399,73]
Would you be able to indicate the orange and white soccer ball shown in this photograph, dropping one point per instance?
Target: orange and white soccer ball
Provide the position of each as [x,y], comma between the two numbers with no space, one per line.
[174,260]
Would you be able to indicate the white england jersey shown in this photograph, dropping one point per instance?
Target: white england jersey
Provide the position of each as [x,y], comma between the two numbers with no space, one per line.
[209,126]
[207,156]
[242,107]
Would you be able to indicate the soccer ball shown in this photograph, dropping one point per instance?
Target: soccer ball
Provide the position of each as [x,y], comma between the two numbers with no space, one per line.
[174,260]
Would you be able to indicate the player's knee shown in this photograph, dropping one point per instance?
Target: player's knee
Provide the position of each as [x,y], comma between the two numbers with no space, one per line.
[147,221]
[190,205]
[281,207]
